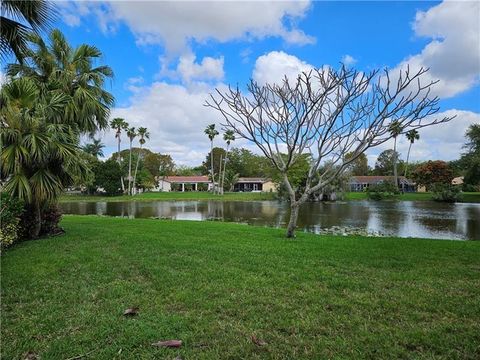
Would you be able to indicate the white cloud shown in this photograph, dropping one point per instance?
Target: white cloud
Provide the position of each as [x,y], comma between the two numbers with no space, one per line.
[348,60]
[175,24]
[209,69]
[438,142]
[274,66]
[453,55]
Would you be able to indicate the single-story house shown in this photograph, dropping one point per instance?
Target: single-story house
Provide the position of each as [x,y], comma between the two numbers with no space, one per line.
[183,183]
[458,180]
[247,184]
[362,183]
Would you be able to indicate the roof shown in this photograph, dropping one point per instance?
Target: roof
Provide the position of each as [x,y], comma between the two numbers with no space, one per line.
[377,179]
[186,179]
[252,180]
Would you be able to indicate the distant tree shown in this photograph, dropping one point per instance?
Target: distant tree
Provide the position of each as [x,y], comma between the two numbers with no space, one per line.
[473,136]
[94,148]
[14,33]
[131,134]
[144,134]
[184,170]
[107,177]
[385,163]
[395,129]
[433,172]
[218,154]
[158,164]
[412,135]
[211,132]
[359,166]
[119,124]
[228,137]
[247,164]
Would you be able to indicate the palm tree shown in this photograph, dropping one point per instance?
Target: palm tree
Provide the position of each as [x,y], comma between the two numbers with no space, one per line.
[412,135]
[229,136]
[119,124]
[39,158]
[395,129]
[131,134]
[14,32]
[144,134]
[94,148]
[211,133]
[59,68]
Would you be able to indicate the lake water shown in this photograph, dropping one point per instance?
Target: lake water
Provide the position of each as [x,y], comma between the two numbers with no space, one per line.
[423,219]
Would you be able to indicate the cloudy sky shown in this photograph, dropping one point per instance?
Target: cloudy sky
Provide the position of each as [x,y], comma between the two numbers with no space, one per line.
[168,56]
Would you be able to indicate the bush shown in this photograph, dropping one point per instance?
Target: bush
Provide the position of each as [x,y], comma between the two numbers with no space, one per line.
[383,190]
[51,217]
[446,193]
[11,210]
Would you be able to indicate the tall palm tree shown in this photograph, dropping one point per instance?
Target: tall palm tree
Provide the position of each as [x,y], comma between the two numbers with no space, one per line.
[395,129]
[412,135]
[131,134]
[119,124]
[39,157]
[211,133]
[21,18]
[59,67]
[94,148]
[144,134]
[229,136]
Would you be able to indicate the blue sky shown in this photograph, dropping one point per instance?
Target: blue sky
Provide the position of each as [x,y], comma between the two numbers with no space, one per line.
[167,57]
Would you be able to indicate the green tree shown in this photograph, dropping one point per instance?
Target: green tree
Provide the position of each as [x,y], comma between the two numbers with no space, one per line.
[359,166]
[119,124]
[412,135]
[39,157]
[385,163]
[211,132]
[144,134]
[95,148]
[228,137]
[395,129]
[107,177]
[21,18]
[213,162]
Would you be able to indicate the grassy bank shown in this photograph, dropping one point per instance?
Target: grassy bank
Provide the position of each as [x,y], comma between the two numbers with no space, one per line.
[173,196]
[214,285]
[467,197]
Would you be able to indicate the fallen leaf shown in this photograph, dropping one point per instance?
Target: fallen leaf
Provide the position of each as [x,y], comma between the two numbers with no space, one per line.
[168,343]
[257,341]
[131,311]
[31,356]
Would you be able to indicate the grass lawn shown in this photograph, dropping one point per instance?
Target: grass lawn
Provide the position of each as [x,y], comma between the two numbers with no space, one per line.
[214,285]
[172,196]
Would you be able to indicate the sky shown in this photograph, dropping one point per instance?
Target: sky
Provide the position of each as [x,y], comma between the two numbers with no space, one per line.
[169,56]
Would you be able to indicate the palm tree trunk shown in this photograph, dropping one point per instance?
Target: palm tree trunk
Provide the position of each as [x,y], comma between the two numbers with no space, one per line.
[406,164]
[37,225]
[211,164]
[130,171]
[224,167]
[220,189]
[395,175]
[136,169]
[118,161]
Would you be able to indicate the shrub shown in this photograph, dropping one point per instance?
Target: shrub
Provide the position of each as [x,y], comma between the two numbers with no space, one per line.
[383,190]
[11,210]
[446,192]
[51,217]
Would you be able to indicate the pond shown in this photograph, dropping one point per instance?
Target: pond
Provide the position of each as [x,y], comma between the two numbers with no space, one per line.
[422,219]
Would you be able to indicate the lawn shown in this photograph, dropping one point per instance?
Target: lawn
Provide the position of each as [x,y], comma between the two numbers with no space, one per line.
[472,197]
[215,285]
[173,196]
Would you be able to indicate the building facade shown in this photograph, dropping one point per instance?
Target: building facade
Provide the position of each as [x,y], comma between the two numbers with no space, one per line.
[362,183]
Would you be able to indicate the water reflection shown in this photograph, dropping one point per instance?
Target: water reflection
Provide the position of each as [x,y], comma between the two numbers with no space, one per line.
[402,218]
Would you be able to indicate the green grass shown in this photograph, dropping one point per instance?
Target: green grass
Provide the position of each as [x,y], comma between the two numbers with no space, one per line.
[172,196]
[472,197]
[214,285]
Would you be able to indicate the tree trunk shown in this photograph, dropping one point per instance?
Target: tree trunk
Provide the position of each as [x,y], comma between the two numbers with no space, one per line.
[222,183]
[37,215]
[395,175]
[292,224]
[118,161]
[130,170]
[220,188]
[136,169]
[211,166]
[406,164]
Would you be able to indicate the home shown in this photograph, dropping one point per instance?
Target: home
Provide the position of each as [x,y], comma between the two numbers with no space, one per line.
[362,183]
[183,183]
[458,180]
[248,184]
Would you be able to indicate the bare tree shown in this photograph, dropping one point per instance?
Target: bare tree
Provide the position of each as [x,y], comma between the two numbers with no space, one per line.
[327,113]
